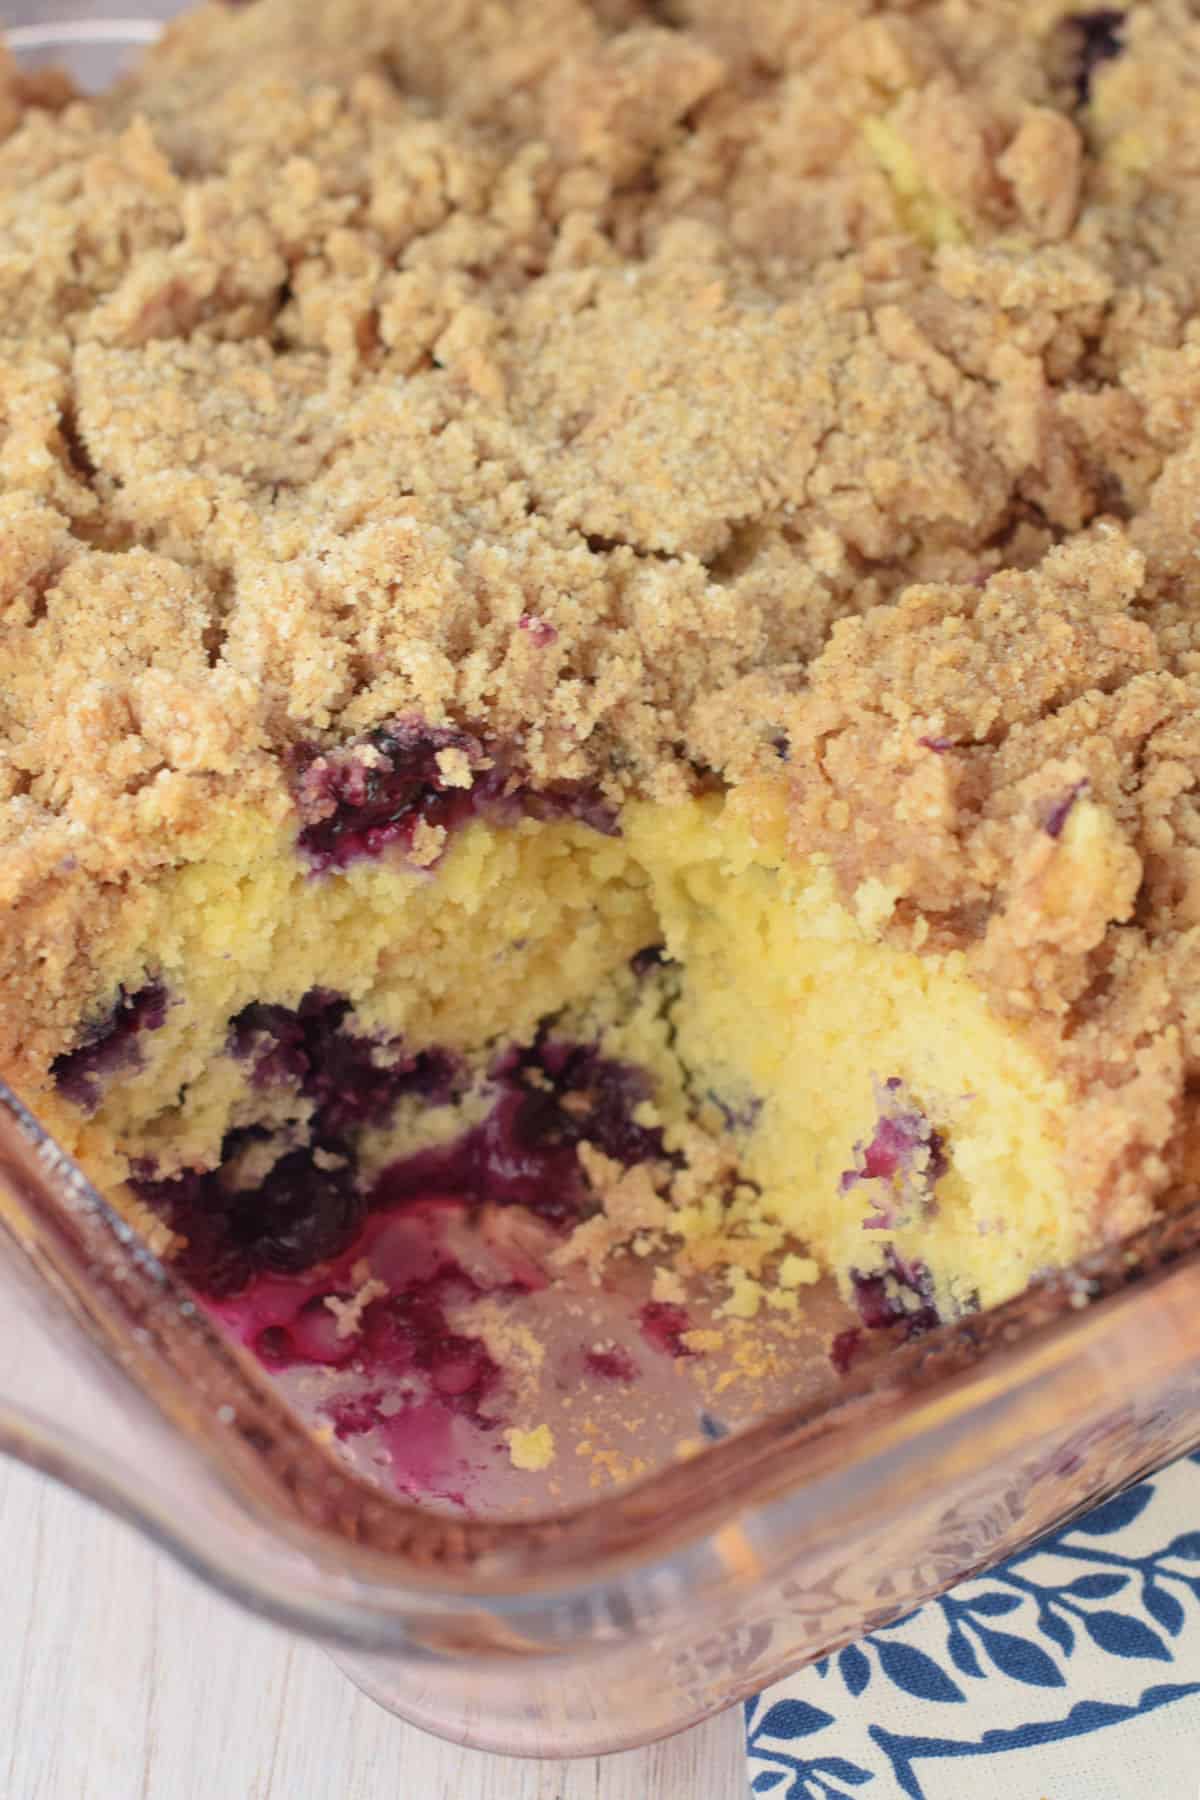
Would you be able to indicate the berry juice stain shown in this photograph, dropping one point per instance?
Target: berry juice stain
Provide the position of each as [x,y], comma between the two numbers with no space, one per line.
[364,1296]
[845,1348]
[663,1325]
[613,1364]
[398,1369]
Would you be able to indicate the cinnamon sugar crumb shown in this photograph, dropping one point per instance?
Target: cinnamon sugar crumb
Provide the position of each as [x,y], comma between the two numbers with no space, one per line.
[632,1210]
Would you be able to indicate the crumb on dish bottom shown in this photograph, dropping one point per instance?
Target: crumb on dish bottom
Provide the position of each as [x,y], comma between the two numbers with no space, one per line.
[791,1094]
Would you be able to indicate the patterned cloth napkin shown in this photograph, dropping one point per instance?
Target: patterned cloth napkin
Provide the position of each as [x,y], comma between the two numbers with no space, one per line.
[1071,1672]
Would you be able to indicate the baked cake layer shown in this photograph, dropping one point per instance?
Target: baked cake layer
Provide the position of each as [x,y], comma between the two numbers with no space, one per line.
[639,556]
[268,1012]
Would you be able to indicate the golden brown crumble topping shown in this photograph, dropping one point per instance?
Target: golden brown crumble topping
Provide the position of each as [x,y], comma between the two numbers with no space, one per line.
[648,387]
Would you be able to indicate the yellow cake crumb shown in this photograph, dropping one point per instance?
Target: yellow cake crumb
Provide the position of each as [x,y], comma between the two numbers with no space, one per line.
[798,1271]
[667,1286]
[531,1451]
[703,1339]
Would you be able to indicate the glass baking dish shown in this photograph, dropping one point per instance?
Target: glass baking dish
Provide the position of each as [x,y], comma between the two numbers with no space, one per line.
[719,1574]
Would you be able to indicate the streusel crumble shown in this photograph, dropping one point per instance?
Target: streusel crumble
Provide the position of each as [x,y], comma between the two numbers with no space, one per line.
[598,618]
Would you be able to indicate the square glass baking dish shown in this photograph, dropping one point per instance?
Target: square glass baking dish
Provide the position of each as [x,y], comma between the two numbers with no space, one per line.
[638,1613]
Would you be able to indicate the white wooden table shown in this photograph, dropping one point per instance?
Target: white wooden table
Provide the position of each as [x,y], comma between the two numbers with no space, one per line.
[122,1678]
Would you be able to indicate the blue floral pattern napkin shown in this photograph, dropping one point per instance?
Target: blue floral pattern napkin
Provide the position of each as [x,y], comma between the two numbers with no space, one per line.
[1071,1672]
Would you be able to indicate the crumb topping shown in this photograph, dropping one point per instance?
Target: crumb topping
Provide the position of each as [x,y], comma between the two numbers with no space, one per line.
[646,391]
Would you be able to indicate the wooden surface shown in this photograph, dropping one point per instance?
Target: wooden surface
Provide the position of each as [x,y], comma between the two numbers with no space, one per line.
[121,1677]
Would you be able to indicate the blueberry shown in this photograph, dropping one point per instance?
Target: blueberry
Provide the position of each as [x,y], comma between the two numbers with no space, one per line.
[354,1079]
[370,794]
[109,1045]
[1099,40]
[301,1214]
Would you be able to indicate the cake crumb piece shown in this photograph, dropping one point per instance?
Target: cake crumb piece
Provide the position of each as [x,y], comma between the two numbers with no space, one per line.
[798,1271]
[428,842]
[702,1339]
[512,1345]
[349,1313]
[530,1450]
[669,1287]
[454,767]
[632,1212]
[745,1295]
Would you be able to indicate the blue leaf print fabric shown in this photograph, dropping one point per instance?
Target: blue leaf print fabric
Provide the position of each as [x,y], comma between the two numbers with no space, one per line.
[1071,1672]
